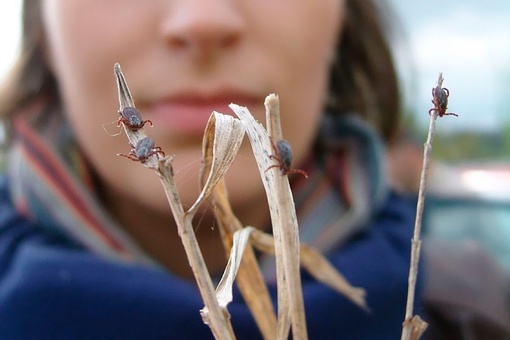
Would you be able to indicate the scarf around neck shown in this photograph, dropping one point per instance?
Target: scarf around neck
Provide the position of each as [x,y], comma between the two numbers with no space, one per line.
[51,184]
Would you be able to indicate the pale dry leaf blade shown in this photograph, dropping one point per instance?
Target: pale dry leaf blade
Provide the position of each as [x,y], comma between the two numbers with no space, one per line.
[224,288]
[222,139]
[249,278]
[318,266]
[228,137]
[258,136]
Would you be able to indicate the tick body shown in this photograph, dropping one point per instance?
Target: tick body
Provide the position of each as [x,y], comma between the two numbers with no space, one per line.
[283,155]
[132,118]
[440,100]
[143,150]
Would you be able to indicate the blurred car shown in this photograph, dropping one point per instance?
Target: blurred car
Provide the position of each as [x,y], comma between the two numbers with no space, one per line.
[466,251]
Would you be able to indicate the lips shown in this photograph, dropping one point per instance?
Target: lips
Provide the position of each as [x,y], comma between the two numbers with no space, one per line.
[188,113]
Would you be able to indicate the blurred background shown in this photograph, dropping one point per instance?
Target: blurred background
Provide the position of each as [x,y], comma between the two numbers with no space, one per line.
[469,41]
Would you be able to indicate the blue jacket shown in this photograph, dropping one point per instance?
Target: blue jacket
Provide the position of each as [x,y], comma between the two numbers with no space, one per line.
[51,288]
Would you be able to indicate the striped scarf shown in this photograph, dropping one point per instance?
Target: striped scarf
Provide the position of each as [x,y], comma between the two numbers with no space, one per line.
[51,185]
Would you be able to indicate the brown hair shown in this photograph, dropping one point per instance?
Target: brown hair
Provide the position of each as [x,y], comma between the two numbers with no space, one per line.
[363,76]
[364,79]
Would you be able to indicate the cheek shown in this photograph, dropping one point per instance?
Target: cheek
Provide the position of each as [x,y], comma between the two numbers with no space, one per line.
[82,57]
[84,39]
[81,60]
[307,64]
[300,122]
[78,37]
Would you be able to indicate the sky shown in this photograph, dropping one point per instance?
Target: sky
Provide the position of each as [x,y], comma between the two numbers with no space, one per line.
[467,40]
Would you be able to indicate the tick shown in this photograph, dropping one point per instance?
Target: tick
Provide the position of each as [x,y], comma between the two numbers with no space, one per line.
[143,150]
[283,155]
[132,118]
[440,100]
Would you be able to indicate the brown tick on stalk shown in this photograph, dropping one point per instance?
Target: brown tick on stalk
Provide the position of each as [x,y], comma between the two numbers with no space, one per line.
[440,100]
[143,150]
[283,155]
[132,118]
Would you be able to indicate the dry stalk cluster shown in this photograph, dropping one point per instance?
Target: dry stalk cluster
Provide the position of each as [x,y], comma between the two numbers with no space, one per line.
[222,139]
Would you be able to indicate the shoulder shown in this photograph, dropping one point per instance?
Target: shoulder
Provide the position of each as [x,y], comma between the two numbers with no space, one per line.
[15,230]
[376,260]
[396,217]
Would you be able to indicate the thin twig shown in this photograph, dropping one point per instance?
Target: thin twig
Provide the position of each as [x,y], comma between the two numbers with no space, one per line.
[283,217]
[411,323]
[286,236]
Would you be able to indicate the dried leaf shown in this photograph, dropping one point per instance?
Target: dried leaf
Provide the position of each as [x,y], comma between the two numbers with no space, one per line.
[318,266]
[322,270]
[414,328]
[222,139]
[249,278]
[224,288]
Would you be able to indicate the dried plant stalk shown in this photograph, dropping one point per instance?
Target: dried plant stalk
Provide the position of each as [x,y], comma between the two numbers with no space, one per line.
[249,278]
[216,317]
[317,266]
[413,327]
[222,139]
[283,216]
[286,235]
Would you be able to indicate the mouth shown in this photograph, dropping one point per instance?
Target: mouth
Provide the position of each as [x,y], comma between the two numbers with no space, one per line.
[187,113]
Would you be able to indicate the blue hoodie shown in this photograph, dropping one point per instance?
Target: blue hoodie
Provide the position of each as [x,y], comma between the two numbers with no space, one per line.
[51,288]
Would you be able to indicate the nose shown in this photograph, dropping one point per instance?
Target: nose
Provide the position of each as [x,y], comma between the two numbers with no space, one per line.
[203,28]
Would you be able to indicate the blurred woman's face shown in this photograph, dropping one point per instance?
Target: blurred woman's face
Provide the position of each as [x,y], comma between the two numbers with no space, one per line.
[183,59]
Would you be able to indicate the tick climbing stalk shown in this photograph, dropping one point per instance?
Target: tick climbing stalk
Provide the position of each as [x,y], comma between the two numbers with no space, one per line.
[132,118]
[143,150]
[414,326]
[283,155]
[440,100]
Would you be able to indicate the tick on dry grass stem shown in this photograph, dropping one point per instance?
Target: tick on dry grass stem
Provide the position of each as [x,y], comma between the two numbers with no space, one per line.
[143,150]
[283,155]
[132,118]
[440,100]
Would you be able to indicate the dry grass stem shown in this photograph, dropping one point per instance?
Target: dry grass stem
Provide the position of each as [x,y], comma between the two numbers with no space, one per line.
[216,317]
[283,216]
[249,278]
[316,265]
[285,229]
[256,294]
[413,326]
